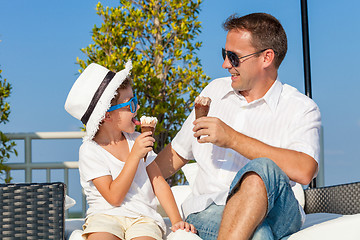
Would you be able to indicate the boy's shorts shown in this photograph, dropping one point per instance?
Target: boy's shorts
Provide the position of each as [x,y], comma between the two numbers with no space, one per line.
[123,227]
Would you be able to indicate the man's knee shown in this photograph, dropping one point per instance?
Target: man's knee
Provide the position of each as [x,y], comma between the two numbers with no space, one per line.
[251,179]
[263,171]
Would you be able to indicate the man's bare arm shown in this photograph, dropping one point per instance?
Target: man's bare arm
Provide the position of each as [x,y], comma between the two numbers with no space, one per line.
[298,166]
[169,161]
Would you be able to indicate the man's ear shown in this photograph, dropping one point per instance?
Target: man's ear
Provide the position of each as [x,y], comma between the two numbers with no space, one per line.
[269,57]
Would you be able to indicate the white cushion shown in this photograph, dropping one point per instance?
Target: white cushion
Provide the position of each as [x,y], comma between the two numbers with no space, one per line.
[73,226]
[317,226]
[182,235]
[316,218]
[76,235]
[299,194]
[340,227]
[69,202]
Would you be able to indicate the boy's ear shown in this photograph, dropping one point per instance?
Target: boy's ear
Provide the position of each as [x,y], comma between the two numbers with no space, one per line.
[107,116]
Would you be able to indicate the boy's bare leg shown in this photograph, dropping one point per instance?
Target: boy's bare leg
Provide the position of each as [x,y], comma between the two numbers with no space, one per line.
[245,210]
[102,236]
[109,236]
[143,238]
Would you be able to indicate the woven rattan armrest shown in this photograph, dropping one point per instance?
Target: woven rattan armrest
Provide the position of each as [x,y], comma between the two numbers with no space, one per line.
[340,199]
[32,211]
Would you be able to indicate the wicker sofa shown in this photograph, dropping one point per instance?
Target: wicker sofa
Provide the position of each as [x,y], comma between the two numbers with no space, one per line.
[32,211]
[36,211]
[332,212]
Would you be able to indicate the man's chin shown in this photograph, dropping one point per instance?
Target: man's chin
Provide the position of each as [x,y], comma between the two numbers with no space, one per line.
[235,86]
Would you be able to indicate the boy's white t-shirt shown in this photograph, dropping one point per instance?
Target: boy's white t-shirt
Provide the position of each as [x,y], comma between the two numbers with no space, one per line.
[95,161]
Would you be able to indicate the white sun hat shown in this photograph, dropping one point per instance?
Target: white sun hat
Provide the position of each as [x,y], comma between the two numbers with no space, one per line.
[90,96]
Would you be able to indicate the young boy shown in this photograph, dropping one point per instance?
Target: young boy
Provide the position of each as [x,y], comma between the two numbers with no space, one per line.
[118,183]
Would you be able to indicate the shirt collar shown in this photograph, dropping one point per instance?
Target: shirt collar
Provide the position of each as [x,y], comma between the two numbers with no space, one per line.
[271,97]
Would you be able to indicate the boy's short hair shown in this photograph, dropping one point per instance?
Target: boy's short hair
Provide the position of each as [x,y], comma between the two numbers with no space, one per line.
[125,84]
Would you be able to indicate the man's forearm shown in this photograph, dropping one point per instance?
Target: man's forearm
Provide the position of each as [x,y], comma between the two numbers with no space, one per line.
[169,161]
[298,166]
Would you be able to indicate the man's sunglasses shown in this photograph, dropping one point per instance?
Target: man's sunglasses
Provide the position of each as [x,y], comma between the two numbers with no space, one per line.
[133,103]
[234,59]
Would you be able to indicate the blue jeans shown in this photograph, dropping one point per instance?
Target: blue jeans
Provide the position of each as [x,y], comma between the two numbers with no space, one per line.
[207,222]
[283,216]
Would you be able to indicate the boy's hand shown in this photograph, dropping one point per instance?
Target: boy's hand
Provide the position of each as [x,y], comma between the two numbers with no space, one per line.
[143,144]
[184,226]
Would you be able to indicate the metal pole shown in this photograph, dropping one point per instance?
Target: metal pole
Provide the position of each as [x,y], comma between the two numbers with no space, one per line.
[306,54]
[306,47]
[28,160]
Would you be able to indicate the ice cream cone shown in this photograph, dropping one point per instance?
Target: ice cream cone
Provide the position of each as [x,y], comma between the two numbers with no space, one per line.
[202,106]
[148,125]
[148,128]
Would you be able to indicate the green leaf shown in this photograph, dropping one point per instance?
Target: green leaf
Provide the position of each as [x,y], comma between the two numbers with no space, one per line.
[6,145]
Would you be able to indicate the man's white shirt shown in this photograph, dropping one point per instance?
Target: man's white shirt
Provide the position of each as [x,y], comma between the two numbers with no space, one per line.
[283,118]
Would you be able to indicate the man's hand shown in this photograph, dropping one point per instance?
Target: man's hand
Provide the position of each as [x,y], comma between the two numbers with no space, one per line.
[213,130]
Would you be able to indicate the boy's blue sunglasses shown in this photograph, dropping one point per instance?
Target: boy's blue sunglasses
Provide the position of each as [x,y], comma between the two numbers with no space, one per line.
[133,103]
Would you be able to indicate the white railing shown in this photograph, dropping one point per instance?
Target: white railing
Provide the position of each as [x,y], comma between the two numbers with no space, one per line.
[28,165]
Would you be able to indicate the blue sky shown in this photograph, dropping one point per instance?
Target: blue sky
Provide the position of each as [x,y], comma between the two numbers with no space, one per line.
[41,39]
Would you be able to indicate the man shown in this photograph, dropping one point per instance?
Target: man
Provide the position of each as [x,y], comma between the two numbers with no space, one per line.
[260,137]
